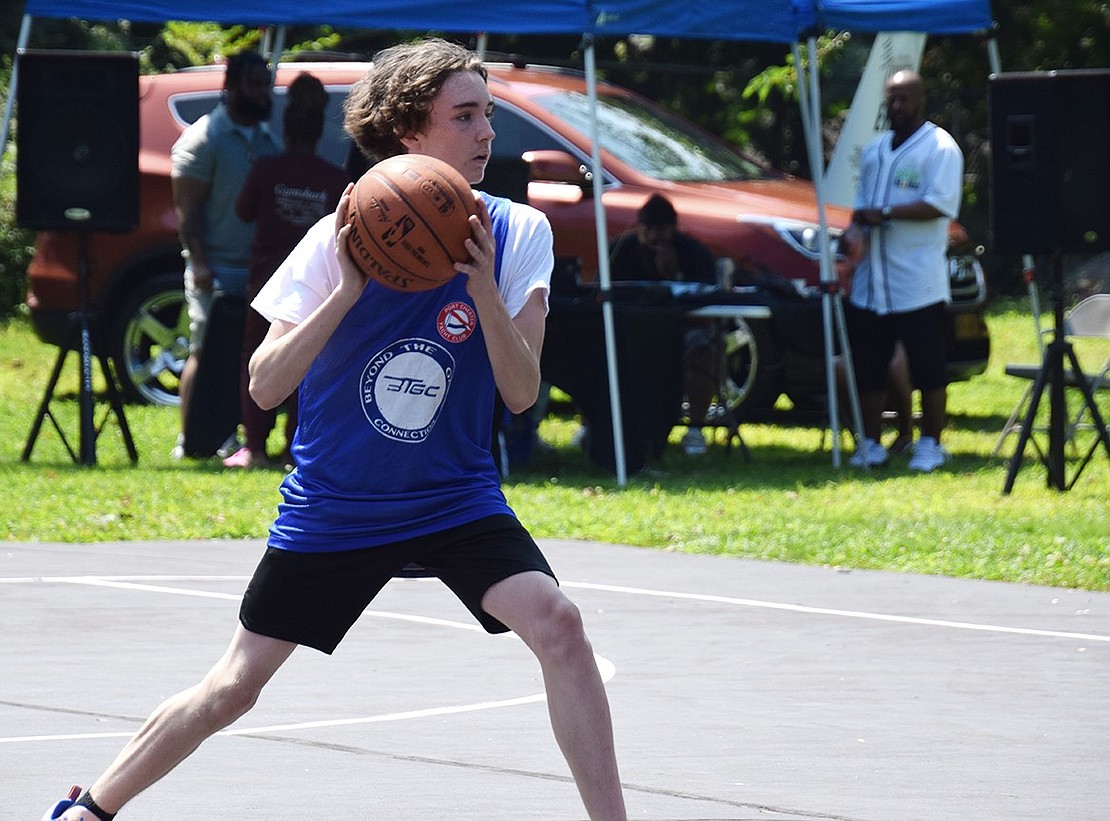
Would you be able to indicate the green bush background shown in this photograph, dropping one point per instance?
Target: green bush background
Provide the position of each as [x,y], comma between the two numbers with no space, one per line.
[15,243]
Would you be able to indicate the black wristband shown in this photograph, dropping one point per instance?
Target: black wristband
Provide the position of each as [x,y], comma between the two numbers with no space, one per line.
[87,802]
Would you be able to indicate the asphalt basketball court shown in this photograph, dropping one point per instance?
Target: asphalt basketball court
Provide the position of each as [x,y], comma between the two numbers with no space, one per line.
[740,690]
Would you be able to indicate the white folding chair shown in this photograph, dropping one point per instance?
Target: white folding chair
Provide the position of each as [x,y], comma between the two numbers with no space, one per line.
[1089,319]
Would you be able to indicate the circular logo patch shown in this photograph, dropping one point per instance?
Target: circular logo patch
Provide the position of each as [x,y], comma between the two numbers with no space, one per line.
[403,388]
[456,321]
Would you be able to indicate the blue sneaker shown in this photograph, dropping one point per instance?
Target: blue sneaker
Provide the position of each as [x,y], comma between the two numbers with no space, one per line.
[63,805]
[870,454]
[928,455]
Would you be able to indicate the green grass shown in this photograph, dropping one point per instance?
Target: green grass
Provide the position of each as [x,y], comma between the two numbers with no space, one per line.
[787,504]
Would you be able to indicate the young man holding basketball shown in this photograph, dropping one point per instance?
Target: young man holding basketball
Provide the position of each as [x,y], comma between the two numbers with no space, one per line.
[382,484]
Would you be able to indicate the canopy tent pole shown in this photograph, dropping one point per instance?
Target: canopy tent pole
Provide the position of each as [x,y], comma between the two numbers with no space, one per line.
[603,265]
[21,43]
[271,51]
[832,307]
[834,296]
[277,49]
[992,55]
[812,132]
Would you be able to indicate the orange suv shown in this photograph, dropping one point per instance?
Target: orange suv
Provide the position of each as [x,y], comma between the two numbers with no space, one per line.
[764,221]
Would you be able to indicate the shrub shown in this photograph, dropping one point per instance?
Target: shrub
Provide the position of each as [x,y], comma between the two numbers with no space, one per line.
[15,243]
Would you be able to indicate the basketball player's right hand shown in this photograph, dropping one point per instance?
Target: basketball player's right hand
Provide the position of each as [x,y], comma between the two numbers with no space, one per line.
[353,277]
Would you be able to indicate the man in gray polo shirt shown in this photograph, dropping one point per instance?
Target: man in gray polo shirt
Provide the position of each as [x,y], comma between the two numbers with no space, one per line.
[210,163]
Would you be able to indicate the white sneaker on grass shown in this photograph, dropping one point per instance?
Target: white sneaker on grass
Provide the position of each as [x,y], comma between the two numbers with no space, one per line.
[928,455]
[869,454]
[694,443]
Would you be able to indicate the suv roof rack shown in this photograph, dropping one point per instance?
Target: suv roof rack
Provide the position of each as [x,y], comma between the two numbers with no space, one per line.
[520,61]
[325,56]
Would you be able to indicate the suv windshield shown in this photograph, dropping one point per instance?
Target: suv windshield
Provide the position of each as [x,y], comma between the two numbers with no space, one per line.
[651,140]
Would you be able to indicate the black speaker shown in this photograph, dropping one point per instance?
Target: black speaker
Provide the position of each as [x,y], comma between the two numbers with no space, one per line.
[1050,161]
[77,142]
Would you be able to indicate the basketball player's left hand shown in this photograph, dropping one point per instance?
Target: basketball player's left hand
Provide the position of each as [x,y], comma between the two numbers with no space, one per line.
[352,276]
[483,254]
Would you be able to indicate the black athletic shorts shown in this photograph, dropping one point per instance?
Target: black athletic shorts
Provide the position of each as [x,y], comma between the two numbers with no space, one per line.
[314,598]
[873,336]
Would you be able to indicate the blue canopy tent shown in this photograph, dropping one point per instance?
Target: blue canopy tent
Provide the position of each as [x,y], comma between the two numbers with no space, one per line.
[784,21]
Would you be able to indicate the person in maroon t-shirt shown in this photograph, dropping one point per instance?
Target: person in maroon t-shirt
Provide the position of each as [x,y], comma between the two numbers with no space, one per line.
[284,195]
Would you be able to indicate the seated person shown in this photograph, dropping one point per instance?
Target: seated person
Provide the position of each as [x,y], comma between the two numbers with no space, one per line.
[657,250]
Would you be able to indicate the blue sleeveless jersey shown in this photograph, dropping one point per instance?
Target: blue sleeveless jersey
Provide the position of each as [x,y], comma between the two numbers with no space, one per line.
[395,422]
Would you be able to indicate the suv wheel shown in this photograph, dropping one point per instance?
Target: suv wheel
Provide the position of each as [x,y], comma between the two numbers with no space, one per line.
[749,354]
[150,340]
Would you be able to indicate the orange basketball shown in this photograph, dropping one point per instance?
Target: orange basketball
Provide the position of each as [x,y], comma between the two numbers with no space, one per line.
[408,217]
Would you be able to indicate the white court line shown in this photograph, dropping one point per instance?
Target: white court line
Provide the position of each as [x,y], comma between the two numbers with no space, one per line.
[144,578]
[310,725]
[604,665]
[828,611]
[607,668]
[123,582]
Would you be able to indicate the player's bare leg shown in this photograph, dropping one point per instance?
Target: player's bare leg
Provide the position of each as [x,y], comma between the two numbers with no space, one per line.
[179,725]
[532,605]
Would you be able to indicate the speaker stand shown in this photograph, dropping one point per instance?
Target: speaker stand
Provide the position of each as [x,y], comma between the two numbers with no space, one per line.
[1052,374]
[84,337]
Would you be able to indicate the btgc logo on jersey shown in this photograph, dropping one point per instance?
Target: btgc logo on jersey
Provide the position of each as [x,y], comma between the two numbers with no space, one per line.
[404,386]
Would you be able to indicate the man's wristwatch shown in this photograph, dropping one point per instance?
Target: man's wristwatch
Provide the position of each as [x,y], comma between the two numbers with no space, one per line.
[887,212]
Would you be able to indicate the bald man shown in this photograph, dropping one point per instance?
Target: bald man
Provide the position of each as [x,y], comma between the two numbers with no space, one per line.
[909,189]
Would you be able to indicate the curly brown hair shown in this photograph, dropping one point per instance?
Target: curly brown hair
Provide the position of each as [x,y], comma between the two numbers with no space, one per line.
[394,97]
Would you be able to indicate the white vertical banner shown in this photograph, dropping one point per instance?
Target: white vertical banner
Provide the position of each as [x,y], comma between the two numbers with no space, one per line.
[891,52]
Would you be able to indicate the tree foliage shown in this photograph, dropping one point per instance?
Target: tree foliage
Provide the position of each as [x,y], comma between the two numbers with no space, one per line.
[181,44]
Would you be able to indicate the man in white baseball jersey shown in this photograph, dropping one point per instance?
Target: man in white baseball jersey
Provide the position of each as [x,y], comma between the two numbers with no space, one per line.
[910,179]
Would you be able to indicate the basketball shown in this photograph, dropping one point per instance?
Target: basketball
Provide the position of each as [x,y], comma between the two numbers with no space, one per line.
[409,222]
